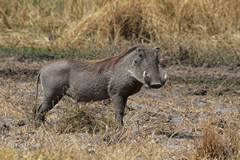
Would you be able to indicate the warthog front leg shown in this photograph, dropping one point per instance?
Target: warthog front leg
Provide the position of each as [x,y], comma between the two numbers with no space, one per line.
[119,103]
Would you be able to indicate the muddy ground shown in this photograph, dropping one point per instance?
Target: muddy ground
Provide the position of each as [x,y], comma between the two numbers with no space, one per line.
[165,123]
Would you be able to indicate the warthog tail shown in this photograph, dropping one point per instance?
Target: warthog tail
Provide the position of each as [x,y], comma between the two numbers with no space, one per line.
[36,105]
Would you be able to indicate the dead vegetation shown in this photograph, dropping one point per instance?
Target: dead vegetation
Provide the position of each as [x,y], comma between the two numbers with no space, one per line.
[164,124]
[184,29]
[160,124]
[215,144]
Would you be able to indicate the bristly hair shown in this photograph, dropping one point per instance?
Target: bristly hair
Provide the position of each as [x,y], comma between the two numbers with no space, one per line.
[108,63]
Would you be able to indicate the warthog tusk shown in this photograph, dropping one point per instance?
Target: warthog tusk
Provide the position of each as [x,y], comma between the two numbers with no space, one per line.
[165,76]
[144,74]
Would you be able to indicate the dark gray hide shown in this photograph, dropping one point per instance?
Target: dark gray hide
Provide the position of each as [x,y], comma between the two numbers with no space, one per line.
[116,77]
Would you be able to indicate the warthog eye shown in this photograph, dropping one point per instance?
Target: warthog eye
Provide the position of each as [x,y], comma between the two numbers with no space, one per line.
[157,48]
[139,49]
[140,55]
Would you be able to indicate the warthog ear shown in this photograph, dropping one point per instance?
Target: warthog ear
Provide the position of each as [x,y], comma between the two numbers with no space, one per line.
[157,49]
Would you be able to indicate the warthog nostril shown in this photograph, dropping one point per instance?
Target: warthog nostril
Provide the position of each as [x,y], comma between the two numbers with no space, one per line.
[156,85]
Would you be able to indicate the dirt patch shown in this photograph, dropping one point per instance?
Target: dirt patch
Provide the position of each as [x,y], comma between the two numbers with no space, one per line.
[158,123]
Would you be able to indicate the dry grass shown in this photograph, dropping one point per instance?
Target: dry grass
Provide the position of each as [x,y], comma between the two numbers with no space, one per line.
[165,124]
[159,124]
[184,28]
[218,145]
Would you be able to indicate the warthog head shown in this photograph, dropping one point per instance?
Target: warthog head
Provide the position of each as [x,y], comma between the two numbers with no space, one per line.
[146,69]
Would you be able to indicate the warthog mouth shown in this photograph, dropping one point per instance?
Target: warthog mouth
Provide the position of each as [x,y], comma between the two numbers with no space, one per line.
[145,82]
[156,86]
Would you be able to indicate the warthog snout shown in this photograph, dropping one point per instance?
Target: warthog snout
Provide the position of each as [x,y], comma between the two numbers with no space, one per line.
[154,81]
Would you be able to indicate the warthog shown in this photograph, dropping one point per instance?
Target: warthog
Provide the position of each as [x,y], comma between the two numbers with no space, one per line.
[116,77]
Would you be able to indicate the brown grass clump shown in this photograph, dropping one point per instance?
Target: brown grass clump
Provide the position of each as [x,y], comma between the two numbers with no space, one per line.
[114,22]
[214,145]
[194,25]
[7,153]
[184,29]
[83,120]
[40,21]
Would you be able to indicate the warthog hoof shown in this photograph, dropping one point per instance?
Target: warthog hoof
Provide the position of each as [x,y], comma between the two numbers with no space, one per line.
[39,119]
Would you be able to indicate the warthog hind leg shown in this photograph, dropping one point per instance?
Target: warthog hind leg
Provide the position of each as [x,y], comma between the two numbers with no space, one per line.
[38,118]
[48,103]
